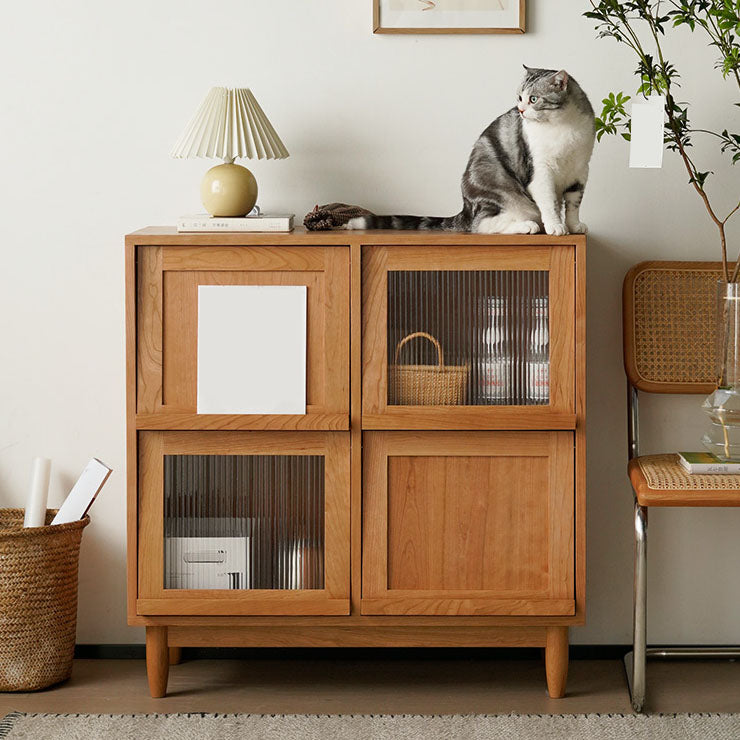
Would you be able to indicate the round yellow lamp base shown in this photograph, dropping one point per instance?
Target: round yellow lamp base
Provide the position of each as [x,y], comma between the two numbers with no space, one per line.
[228,190]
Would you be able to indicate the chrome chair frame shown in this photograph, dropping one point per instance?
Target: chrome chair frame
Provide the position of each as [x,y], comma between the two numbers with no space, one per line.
[635,662]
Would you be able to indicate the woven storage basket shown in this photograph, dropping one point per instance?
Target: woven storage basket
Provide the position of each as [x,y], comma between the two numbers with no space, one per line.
[426,385]
[38,600]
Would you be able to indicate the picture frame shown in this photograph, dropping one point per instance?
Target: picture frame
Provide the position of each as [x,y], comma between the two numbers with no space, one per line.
[449,16]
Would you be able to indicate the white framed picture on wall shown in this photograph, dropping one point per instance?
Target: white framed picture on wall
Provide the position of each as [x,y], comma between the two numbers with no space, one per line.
[448,16]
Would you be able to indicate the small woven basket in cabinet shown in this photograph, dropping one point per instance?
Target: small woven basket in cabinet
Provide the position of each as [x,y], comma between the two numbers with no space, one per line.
[426,385]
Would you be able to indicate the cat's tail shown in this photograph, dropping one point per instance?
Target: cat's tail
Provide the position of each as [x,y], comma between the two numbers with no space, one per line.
[407,223]
[341,215]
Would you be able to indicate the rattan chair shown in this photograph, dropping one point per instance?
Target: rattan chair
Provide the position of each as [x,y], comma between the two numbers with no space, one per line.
[669,314]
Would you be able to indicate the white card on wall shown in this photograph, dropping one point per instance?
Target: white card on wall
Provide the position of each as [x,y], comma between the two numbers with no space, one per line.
[252,349]
[646,141]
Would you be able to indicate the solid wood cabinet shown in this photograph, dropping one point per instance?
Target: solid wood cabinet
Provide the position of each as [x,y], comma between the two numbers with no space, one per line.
[476,523]
[433,494]
[168,278]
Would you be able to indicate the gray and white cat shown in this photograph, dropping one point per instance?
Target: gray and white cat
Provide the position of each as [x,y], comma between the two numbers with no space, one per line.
[527,171]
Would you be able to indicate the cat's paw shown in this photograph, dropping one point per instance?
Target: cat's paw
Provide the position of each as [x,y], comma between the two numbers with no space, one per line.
[578,228]
[523,227]
[555,228]
[489,225]
[358,222]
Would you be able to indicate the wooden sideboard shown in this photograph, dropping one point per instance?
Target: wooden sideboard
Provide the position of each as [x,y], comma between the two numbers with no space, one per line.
[368,520]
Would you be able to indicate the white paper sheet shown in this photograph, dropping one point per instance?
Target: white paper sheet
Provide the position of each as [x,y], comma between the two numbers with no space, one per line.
[646,144]
[252,349]
[83,493]
[38,494]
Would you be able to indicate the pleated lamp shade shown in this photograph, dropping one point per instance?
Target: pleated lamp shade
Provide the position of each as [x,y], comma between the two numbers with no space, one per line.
[230,124]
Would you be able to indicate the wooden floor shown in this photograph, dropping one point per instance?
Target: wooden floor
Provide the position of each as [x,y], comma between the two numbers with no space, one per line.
[330,683]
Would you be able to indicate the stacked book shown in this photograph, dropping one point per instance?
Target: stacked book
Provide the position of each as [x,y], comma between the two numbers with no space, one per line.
[705,463]
[263,222]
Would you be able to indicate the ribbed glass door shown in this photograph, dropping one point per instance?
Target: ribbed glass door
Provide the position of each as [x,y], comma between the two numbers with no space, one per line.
[244,522]
[468,338]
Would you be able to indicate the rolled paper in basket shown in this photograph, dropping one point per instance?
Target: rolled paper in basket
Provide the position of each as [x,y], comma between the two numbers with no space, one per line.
[38,494]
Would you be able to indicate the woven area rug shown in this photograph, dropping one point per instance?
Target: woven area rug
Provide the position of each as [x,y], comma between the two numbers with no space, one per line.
[19,726]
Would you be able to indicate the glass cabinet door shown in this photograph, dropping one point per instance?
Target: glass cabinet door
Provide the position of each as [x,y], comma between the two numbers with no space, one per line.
[244,523]
[488,329]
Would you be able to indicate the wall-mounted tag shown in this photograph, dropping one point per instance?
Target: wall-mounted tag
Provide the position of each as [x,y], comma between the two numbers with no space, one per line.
[646,145]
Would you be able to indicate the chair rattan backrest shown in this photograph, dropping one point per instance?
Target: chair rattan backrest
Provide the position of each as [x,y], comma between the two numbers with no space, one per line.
[670,319]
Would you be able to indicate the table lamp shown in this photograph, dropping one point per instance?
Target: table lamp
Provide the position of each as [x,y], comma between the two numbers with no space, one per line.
[229,123]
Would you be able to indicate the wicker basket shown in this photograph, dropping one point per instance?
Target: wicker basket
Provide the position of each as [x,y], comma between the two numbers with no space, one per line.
[426,385]
[38,600]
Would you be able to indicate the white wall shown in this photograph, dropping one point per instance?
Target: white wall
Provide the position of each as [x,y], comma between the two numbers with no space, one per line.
[93,96]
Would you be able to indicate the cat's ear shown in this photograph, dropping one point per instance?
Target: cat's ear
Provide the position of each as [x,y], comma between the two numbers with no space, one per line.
[560,80]
[527,69]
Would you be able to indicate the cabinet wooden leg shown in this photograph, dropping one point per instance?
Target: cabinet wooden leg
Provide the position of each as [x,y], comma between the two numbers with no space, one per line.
[157,661]
[175,655]
[556,661]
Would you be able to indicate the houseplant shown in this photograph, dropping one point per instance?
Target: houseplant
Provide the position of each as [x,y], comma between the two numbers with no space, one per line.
[642,25]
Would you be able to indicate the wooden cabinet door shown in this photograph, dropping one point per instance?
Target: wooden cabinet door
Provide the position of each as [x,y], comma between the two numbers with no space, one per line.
[243,523]
[462,523]
[468,337]
[167,331]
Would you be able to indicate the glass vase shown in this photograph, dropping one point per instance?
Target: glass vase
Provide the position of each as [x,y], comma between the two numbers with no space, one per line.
[723,405]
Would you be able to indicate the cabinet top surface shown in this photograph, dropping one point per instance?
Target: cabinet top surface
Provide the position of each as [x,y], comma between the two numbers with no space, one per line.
[168,235]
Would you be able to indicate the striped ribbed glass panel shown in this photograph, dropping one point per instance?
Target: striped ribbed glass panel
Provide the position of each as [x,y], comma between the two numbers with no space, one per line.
[244,521]
[492,327]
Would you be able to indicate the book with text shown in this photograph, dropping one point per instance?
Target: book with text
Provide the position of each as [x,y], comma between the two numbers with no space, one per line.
[706,463]
[265,222]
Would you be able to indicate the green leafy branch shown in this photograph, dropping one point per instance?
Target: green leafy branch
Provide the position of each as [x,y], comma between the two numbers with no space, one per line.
[614,118]
[720,20]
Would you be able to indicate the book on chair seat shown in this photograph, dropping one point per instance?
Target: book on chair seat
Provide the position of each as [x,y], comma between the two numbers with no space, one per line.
[706,463]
